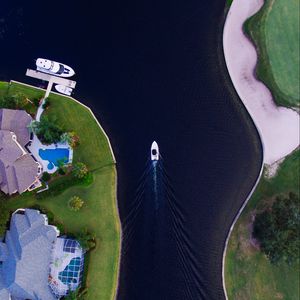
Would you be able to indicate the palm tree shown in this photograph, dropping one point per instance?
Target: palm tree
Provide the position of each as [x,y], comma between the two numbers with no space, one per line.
[33,126]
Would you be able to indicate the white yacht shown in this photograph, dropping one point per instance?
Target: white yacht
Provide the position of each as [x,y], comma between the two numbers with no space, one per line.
[154,151]
[63,89]
[53,68]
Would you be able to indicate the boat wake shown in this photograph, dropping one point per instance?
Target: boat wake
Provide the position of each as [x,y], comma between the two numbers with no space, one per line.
[157,244]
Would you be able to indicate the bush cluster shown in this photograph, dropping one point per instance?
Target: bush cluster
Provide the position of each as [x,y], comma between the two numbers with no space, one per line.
[278,229]
[48,131]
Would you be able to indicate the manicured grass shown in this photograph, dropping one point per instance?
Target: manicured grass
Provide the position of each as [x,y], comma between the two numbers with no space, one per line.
[248,273]
[93,149]
[99,214]
[276,32]
[13,89]
[30,92]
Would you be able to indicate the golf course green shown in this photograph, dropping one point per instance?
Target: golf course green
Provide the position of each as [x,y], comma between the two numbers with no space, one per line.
[275,32]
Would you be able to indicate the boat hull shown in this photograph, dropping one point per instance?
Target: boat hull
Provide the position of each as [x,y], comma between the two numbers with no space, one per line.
[54,68]
[63,89]
[154,151]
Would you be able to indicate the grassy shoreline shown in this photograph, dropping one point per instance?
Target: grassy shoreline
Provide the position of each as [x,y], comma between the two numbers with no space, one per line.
[99,214]
[248,273]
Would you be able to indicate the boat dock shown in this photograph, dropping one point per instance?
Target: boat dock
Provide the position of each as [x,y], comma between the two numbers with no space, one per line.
[51,79]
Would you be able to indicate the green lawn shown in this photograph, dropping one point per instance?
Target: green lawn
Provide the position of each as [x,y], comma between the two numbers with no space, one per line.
[99,214]
[276,32]
[248,274]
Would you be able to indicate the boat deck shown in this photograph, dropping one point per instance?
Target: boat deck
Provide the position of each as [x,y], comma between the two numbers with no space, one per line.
[53,79]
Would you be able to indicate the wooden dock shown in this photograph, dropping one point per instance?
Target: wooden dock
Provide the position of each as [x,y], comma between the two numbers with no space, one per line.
[51,79]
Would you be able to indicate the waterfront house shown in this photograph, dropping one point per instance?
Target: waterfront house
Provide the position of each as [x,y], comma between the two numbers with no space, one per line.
[36,264]
[18,169]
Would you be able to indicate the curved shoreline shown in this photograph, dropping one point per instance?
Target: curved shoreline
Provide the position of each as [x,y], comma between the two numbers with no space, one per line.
[276,126]
[116,176]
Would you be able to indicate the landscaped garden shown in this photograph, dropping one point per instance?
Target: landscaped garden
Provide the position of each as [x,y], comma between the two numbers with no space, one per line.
[275,31]
[97,213]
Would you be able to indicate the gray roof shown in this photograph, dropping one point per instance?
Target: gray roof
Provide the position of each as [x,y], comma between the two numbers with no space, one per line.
[16,121]
[29,242]
[18,169]
[3,252]
[4,294]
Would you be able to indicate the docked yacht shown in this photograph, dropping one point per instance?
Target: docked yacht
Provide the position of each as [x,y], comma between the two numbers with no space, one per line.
[63,89]
[154,151]
[54,68]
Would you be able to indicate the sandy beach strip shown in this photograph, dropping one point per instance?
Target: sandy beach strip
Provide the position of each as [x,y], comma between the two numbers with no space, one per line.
[278,126]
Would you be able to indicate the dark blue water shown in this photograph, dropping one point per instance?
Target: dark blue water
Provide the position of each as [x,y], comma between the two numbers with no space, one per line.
[153,70]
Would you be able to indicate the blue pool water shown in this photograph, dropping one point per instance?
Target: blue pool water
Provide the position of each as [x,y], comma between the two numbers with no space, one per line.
[72,272]
[54,156]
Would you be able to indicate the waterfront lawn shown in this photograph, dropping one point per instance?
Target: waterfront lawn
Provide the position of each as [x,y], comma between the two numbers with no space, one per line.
[8,90]
[99,214]
[248,273]
[93,149]
[275,31]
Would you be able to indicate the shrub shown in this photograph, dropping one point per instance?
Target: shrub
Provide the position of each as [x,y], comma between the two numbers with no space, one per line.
[86,240]
[60,184]
[36,102]
[278,231]
[76,203]
[80,170]
[16,101]
[71,138]
[4,218]
[78,294]
[46,176]
[61,171]
[46,103]
[74,139]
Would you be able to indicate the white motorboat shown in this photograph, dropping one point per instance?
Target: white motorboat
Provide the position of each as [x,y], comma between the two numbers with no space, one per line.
[63,89]
[54,68]
[154,151]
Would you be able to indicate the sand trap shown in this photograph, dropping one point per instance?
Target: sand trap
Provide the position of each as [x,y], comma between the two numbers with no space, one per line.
[278,126]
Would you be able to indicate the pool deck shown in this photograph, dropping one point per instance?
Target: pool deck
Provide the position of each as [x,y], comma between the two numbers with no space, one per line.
[36,145]
[60,260]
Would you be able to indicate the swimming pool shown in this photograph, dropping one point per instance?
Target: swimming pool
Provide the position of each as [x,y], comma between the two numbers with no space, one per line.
[54,156]
[73,272]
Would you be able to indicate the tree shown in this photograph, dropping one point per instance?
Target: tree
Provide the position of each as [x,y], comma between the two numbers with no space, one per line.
[46,104]
[62,165]
[86,240]
[46,176]
[76,203]
[33,126]
[47,131]
[80,170]
[71,138]
[278,230]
